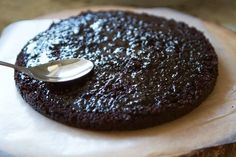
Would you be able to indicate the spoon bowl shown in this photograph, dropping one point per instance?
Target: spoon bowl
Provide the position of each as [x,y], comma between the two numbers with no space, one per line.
[56,71]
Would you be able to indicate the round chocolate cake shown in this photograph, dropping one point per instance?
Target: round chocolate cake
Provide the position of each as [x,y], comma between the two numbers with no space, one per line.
[147,70]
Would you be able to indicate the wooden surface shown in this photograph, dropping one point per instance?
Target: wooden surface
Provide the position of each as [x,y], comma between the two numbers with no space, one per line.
[219,11]
[227,150]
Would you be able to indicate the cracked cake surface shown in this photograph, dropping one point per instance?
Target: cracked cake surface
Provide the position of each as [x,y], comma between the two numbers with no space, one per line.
[147,70]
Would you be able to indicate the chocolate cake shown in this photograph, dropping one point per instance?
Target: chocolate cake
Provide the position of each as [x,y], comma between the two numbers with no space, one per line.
[147,70]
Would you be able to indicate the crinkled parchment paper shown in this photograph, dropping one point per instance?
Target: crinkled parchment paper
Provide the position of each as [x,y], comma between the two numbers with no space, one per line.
[25,133]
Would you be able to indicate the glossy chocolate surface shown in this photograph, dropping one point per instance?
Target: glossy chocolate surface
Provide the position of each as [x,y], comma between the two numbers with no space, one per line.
[144,66]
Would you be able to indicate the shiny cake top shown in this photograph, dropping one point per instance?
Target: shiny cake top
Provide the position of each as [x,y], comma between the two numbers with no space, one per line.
[143,65]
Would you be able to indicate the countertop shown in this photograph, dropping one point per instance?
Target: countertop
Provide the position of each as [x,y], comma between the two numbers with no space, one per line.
[219,11]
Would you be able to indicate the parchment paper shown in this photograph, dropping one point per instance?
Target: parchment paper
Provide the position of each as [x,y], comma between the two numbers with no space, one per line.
[26,133]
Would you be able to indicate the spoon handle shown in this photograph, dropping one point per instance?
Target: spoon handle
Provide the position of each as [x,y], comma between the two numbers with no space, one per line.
[19,68]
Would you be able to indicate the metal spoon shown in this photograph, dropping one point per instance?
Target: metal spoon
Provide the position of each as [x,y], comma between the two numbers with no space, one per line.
[56,71]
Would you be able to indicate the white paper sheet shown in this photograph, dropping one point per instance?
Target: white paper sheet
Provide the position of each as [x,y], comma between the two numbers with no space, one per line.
[26,133]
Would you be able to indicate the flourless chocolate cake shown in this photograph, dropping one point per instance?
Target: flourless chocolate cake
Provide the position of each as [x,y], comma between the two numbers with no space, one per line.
[148,70]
